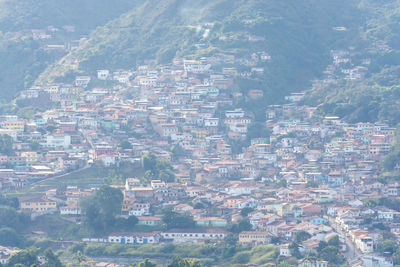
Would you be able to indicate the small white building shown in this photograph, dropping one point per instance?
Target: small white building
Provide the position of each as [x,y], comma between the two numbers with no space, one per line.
[134,238]
[194,235]
[58,141]
[103,74]
[70,210]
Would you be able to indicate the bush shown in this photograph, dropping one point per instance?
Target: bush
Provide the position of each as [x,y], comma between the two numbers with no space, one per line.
[242,257]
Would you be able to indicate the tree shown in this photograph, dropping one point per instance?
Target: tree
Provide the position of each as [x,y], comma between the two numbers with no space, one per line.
[126,224]
[157,169]
[242,225]
[52,259]
[9,201]
[101,209]
[144,263]
[35,145]
[245,211]
[301,236]
[126,145]
[330,254]
[177,220]
[396,256]
[294,250]
[231,240]
[78,257]
[13,219]
[179,262]
[177,152]
[149,162]
[26,257]
[321,246]
[6,143]
[334,241]
[242,257]
[281,183]
[388,246]
[312,184]
[257,130]
[9,237]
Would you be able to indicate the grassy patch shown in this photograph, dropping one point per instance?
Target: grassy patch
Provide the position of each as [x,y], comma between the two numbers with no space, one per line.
[94,176]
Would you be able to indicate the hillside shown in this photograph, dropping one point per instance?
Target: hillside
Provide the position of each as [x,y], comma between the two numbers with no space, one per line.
[375,98]
[17,15]
[297,34]
[23,57]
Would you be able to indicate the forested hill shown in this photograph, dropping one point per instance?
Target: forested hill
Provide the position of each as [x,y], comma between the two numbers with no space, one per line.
[297,34]
[23,58]
[17,15]
[377,96]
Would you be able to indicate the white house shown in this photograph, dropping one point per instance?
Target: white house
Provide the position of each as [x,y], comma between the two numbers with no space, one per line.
[58,141]
[135,238]
[70,210]
[103,74]
[194,235]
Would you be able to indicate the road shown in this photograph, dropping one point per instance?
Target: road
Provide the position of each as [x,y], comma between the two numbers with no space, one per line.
[87,165]
[351,252]
[61,175]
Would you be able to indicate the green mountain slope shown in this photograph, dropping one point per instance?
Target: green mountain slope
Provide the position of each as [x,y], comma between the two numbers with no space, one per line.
[22,59]
[17,15]
[377,97]
[297,34]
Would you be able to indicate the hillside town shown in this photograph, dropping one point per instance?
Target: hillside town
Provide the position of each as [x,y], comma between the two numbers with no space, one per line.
[292,173]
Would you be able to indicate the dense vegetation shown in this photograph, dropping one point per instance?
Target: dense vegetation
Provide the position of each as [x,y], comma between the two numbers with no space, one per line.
[298,35]
[22,57]
[208,254]
[17,15]
[373,99]
[101,212]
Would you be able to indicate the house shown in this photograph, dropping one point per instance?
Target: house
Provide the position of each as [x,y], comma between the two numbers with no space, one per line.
[385,213]
[82,81]
[363,241]
[131,182]
[103,74]
[210,222]
[155,184]
[284,250]
[253,237]
[310,246]
[140,193]
[139,209]
[72,209]
[6,253]
[312,263]
[58,141]
[38,205]
[375,260]
[149,220]
[183,208]
[194,235]
[134,238]
[318,220]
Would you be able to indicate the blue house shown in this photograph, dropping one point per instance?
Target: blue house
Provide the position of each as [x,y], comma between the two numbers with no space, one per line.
[318,221]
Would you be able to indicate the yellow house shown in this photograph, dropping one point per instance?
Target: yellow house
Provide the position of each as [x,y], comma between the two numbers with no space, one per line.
[30,156]
[36,204]
[17,126]
[127,204]
[253,237]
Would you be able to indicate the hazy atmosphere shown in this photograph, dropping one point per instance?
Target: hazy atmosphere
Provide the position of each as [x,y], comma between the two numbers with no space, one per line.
[195,133]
